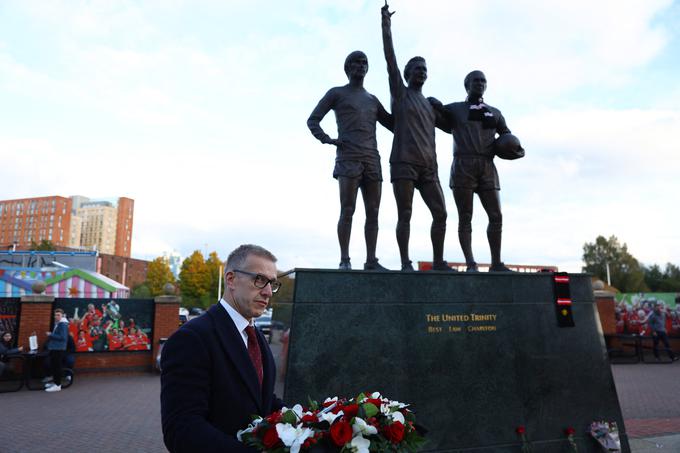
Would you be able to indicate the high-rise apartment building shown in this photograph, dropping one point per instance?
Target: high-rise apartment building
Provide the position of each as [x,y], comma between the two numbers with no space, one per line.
[99,220]
[76,222]
[174,260]
[126,208]
[28,221]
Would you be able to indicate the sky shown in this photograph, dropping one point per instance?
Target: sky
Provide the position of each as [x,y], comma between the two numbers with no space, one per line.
[197,110]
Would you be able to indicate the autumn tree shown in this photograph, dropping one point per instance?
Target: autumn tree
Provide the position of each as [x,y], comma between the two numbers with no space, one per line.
[194,280]
[214,264]
[157,275]
[626,273]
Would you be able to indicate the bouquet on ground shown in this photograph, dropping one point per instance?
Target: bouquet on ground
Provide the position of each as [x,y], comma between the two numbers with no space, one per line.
[607,435]
[367,423]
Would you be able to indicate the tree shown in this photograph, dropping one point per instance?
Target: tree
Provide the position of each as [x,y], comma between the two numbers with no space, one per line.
[214,263]
[653,277]
[194,280]
[285,293]
[157,275]
[626,273]
[141,292]
[45,246]
[667,281]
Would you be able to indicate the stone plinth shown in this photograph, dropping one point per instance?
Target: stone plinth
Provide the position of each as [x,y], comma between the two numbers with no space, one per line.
[476,354]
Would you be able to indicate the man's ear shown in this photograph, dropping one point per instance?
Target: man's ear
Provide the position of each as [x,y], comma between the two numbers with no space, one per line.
[229,277]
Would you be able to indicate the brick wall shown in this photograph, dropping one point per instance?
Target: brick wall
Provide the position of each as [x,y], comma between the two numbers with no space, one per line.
[606,309]
[166,320]
[128,271]
[36,316]
[113,361]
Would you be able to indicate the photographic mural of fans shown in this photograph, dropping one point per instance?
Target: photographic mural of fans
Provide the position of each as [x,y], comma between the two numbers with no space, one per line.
[9,316]
[109,324]
[632,309]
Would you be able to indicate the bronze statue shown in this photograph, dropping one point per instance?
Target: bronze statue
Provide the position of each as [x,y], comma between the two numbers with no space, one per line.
[413,161]
[357,162]
[474,125]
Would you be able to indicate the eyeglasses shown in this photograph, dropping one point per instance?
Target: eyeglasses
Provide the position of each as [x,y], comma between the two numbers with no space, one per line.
[260,281]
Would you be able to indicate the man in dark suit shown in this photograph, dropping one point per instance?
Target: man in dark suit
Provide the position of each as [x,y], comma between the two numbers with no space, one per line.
[217,370]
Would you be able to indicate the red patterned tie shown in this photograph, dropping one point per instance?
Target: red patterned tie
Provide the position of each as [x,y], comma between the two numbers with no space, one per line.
[254,352]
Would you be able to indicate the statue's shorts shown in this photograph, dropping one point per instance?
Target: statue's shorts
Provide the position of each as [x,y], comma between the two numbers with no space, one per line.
[366,170]
[475,173]
[419,174]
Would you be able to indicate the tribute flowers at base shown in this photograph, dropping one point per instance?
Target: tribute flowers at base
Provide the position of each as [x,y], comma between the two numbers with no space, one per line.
[368,423]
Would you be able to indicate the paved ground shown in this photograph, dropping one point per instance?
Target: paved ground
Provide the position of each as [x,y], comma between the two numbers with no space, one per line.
[96,414]
[121,413]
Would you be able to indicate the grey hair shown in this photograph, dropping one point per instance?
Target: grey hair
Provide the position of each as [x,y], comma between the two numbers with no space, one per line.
[238,257]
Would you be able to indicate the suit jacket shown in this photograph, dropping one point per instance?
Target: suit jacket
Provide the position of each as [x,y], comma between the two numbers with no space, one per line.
[209,387]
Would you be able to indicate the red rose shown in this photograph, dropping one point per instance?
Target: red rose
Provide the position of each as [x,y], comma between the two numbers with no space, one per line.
[310,418]
[275,418]
[341,433]
[520,430]
[271,438]
[375,401]
[351,410]
[570,431]
[394,432]
[329,403]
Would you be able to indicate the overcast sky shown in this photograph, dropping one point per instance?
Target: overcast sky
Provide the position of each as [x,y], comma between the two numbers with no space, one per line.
[197,110]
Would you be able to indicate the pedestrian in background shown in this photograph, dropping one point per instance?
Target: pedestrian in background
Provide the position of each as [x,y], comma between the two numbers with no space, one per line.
[56,345]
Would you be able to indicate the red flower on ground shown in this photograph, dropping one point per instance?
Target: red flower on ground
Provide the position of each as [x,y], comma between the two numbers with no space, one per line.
[341,433]
[520,430]
[570,431]
[351,410]
[275,418]
[394,432]
[271,438]
[310,418]
[375,401]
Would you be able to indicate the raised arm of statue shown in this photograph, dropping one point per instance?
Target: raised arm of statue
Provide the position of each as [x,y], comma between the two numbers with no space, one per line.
[321,109]
[396,82]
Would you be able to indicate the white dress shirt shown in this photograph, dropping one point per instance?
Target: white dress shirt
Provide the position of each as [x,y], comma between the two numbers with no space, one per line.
[240,322]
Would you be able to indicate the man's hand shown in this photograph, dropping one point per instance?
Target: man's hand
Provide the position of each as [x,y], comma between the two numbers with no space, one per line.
[48,333]
[20,348]
[332,141]
[386,14]
[434,102]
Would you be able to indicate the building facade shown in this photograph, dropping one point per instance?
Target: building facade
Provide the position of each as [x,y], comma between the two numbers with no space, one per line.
[174,261]
[99,220]
[130,272]
[126,208]
[28,221]
[75,222]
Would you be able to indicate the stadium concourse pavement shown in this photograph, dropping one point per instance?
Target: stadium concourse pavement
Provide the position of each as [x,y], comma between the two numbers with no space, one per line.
[116,413]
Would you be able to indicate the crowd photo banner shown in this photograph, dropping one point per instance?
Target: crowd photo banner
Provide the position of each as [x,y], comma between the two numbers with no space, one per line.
[99,325]
[633,308]
[9,316]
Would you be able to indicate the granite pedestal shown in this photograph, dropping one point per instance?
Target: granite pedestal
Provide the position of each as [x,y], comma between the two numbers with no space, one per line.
[477,355]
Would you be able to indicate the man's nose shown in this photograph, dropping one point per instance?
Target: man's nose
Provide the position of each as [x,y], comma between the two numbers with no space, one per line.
[267,290]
